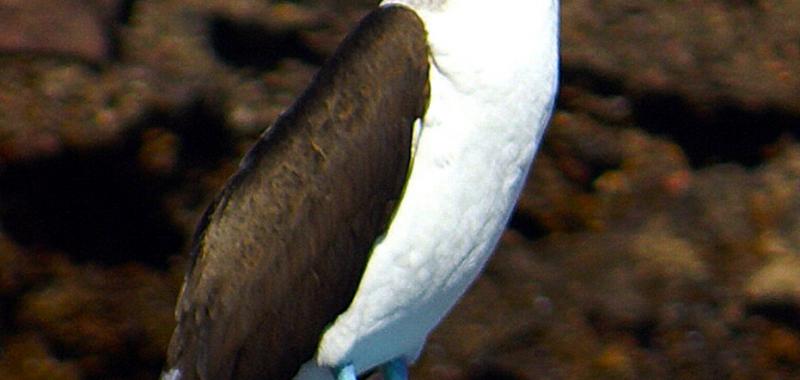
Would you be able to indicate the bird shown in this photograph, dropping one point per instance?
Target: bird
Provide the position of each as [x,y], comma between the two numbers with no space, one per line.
[364,212]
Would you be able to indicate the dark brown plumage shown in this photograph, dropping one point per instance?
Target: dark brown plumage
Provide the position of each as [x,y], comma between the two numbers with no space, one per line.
[280,252]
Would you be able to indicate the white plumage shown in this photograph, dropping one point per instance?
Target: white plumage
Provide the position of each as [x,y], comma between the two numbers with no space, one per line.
[493,77]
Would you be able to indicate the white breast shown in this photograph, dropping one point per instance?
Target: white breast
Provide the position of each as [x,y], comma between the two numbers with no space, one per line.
[493,80]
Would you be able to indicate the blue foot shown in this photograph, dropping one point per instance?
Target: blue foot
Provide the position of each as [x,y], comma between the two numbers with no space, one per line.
[396,369]
[347,372]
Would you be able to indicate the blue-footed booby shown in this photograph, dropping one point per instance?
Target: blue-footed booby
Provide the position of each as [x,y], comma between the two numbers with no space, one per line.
[366,210]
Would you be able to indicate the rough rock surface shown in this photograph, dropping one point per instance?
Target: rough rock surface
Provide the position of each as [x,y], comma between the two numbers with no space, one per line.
[658,237]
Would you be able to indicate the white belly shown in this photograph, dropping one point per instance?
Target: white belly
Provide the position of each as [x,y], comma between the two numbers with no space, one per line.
[477,141]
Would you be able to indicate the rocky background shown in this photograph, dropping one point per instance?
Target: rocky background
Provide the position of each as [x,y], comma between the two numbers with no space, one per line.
[658,237]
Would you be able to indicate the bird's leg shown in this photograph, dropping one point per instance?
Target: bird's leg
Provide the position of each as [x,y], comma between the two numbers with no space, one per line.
[346,372]
[395,369]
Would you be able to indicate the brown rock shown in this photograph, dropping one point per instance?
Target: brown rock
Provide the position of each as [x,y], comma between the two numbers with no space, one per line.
[27,357]
[709,52]
[61,27]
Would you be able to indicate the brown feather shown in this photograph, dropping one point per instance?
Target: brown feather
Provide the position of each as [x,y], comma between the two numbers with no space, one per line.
[281,251]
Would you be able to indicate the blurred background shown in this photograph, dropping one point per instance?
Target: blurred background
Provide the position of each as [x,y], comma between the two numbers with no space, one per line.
[658,236]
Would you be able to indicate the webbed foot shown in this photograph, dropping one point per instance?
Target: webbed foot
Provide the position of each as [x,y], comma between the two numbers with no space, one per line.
[346,372]
[396,369]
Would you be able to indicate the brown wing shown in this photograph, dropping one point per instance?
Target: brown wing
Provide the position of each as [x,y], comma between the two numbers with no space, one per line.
[281,251]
